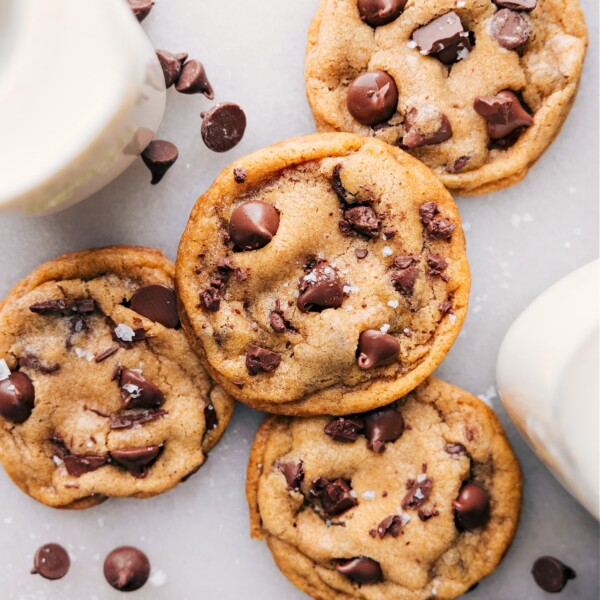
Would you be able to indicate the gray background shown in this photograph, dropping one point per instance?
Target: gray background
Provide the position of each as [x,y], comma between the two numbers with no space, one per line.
[519,242]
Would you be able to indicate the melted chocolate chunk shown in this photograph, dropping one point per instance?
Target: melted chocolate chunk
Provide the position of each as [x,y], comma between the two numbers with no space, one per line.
[261,360]
[141,8]
[320,288]
[126,569]
[129,420]
[459,164]
[84,306]
[211,419]
[211,298]
[360,219]
[414,137]
[380,12]
[361,253]
[516,4]
[136,460]
[444,38]
[139,392]
[335,495]
[418,493]
[455,449]
[425,515]
[361,570]
[79,464]
[391,525]
[372,97]
[436,265]
[472,507]
[17,397]
[436,226]
[51,561]
[158,303]
[510,29]
[405,275]
[504,114]
[240,175]
[29,361]
[48,307]
[382,425]
[293,473]
[376,349]
[344,429]
[253,225]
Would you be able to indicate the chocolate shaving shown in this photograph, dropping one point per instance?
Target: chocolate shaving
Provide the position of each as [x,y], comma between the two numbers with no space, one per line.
[106,354]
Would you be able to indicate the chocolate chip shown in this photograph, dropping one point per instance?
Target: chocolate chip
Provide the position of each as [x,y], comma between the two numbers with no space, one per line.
[139,392]
[361,219]
[446,307]
[338,187]
[84,306]
[261,360]
[128,421]
[459,164]
[320,288]
[361,570]
[436,265]
[455,449]
[157,303]
[77,464]
[516,4]
[51,561]
[223,127]
[372,97]
[405,275]
[159,156]
[391,525]
[278,322]
[211,298]
[126,569]
[425,515]
[141,8]
[380,12]
[240,175]
[472,507]
[253,225]
[293,473]
[344,429]
[211,419]
[417,125]
[17,397]
[29,361]
[171,65]
[551,574]
[135,460]
[418,493]
[382,425]
[193,80]
[510,29]
[376,349]
[504,114]
[445,38]
[361,253]
[335,495]
[436,226]
[48,307]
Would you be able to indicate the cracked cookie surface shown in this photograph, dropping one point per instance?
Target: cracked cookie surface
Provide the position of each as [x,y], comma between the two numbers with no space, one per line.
[332,280]
[427,513]
[436,58]
[100,393]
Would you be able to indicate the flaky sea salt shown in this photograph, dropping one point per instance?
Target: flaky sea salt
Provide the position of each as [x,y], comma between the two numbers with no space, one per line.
[353,493]
[419,494]
[421,477]
[393,304]
[124,332]
[385,328]
[411,44]
[369,495]
[387,251]
[89,356]
[4,370]
[133,390]
[452,318]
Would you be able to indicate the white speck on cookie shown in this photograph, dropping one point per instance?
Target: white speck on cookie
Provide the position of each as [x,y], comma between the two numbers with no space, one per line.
[124,332]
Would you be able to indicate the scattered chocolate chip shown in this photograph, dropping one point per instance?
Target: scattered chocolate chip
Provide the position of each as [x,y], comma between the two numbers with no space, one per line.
[128,421]
[436,265]
[84,306]
[372,97]
[17,397]
[223,127]
[361,570]
[211,419]
[141,8]
[293,473]
[29,361]
[361,253]
[261,360]
[211,298]
[139,392]
[551,574]
[445,38]
[159,156]
[380,12]
[106,354]
[516,4]
[510,29]
[417,125]
[459,164]
[77,464]
[436,226]
[425,515]
[405,275]
[391,525]
[51,561]
[344,429]
[362,220]
[504,114]
[48,307]
[418,493]
[446,307]
[472,507]
[135,460]
[455,449]
[253,225]
[320,288]
[240,175]
[382,425]
[126,569]
[171,65]
[376,349]
[335,495]
[157,303]
[193,80]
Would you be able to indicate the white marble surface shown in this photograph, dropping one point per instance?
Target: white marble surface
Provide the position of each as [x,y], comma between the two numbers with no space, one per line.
[519,241]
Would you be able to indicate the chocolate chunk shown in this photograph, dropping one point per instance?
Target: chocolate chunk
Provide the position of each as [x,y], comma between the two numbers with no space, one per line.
[404,262]
[446,307]
[139,392]
[157,303]
[425,515]
[504,114]
[77,464]
[455,449]
[344,429]
[293,473]
[372,97]
[17,397]
[335,495]
[510,29]
[551,574]
[436,265]
[193,80]
[240,175]
[277,321]
[391,525]
[223,126]
[261,360]
[459,164]
[472,507]
[159,156]
[141,8]
[51,561]
[320,288]
[418,493]
[361,219]
[102,356]
[171,65]
[127,421]
[380,12]
[211,419]
[84,306]
[361,570]
[516,4]
[436,226]
[126,569]
[336,183]
[382,425]
[135,460]
[445,38]
[405,275]
[48,307]
[253,225]
[415,134]
[361,253]
[211,298]
[376,349]
[29,361]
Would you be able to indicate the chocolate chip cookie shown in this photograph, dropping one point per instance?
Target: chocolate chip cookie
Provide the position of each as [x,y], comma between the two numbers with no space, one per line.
[100,393]
[476,89]
[416,500]
[323,275]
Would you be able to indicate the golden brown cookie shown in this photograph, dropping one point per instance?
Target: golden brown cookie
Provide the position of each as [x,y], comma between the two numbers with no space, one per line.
[323,275]
[100,393]
[417,500]
[476,89]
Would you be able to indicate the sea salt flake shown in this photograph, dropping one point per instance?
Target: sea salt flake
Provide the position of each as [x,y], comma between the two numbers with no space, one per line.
[133,390]
[387,251]
[419,494]
[393,304]
[124,332]
[369,495]
[421,477]
[411,44]
[4,370]
[57,460]
[353,493]
[84,354]
[312,276]
[385,328]
[452,318]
